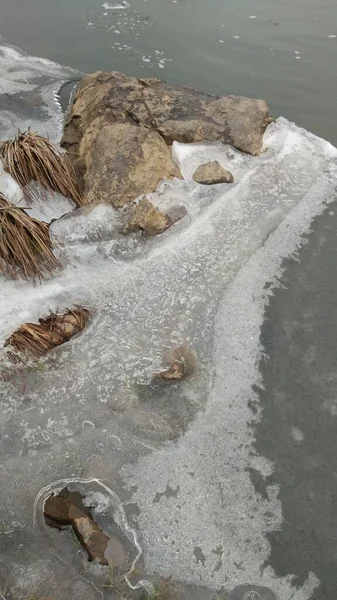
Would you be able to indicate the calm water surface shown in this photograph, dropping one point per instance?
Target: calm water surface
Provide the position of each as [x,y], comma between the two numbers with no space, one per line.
[282,50]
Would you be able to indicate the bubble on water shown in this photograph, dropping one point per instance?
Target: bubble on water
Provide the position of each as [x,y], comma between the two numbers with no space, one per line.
[120,19]
[297,434]
[160,58]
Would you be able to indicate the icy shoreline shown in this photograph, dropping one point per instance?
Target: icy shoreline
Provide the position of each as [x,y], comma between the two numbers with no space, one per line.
[202,283]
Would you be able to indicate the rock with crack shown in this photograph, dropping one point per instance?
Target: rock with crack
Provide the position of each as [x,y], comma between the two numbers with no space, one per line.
[118,131]
[147,218]
[212,173]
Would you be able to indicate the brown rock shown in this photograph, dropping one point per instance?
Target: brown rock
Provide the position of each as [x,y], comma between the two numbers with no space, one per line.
[66,509]
[182,364]
[147,218]
[90,536]
[176,371]
[56,512]
[212,173]
[115,131]
[124,161]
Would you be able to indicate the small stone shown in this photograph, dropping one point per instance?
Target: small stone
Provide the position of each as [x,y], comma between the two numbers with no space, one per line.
[212,173]
[147,218]
[182,363]
[176,371]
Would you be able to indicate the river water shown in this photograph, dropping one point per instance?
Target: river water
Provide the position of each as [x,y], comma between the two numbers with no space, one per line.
[229,479]
[282,51]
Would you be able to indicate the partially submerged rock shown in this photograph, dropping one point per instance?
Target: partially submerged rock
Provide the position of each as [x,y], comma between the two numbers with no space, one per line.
[90,536]
[182,363]
[176,371]
[66,509]
[118,128]
[35,340]
[212,173]
[147,218]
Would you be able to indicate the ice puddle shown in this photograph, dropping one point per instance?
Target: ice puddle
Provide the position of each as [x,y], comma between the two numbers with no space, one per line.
[176,457]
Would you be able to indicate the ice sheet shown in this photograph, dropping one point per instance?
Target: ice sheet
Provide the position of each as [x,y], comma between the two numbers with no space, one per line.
[28,93]
[9,188]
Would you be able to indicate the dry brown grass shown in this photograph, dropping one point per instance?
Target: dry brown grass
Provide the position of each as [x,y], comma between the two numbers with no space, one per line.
[25,245]
[32,339]
[31,157]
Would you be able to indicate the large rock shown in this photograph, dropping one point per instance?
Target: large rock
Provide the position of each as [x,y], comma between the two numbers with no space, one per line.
[123,161]
[212,173]
[118,129]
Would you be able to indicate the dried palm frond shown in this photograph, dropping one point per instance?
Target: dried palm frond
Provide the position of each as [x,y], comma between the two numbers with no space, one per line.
[36,340]
[66,324]
[31,157]
[25,245]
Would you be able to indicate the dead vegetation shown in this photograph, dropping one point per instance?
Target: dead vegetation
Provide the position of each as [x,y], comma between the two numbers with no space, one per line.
[162,591]
[116,582]
[26,248]
[31,157]
[35,340]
